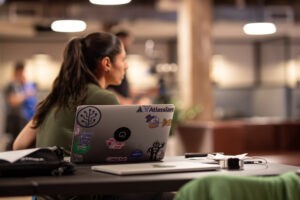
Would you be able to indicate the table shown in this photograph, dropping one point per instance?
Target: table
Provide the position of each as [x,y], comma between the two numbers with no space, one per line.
[86,181]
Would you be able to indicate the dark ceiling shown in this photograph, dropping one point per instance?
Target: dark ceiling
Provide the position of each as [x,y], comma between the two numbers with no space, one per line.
[43,12]
[152,2]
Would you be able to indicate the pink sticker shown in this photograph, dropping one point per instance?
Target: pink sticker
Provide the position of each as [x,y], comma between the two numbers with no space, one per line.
[113,144]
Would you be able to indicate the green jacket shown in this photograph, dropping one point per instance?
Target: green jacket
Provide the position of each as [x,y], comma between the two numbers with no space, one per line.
[225,187]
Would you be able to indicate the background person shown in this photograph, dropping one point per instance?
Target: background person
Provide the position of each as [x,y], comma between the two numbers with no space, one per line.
[123,91]
[21,101]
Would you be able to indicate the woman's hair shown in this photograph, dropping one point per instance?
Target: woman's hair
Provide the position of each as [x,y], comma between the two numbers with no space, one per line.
[80,61]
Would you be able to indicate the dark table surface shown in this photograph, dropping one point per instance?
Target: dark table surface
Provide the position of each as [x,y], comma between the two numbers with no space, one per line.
[86,181]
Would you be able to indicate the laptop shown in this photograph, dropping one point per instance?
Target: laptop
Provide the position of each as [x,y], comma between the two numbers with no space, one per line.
[121,133]
[154,168]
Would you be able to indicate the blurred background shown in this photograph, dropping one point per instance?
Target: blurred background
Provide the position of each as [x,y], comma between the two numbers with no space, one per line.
[193,53]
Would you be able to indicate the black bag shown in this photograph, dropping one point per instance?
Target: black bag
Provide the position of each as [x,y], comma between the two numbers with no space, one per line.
[41,161]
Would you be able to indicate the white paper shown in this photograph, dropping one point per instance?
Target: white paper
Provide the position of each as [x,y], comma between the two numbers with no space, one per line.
[12,156]
[223,157]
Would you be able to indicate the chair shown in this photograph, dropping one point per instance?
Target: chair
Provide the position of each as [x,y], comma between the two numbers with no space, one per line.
[227,187]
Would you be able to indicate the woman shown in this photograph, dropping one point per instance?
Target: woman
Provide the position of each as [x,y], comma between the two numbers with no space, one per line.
[89,65]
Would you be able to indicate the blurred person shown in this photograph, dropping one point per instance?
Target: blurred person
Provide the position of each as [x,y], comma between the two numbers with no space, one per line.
[21,100]
[123,91]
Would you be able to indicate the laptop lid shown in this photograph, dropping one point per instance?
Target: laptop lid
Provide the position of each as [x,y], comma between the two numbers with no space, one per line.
[121,133]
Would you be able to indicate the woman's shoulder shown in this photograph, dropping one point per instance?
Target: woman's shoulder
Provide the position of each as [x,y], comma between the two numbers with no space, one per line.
[99,96]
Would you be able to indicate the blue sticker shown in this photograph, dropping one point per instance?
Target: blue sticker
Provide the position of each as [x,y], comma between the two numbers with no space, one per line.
[85,138]
[137,153]
[88,116]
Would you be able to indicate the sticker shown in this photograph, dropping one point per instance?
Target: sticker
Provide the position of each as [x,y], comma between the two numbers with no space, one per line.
[137,153]
[160,155]
[154,150]
[153,108]
[82,143]
[152,120]
[167,122]
[78,149]
[122,134]
[85,138]
[76,130]
[113,144]
[116,159]
[88,116]
[77,158]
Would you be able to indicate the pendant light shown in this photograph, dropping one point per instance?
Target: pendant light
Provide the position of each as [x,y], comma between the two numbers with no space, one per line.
[109,2]
[259,27]
[68,25]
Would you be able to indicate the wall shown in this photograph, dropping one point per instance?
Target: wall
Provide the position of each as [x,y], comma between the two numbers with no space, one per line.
[266,80]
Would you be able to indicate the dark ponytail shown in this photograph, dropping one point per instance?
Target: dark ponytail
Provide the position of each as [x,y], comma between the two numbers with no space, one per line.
[80,61]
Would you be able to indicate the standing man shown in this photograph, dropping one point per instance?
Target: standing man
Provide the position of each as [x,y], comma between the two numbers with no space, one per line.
[21,101]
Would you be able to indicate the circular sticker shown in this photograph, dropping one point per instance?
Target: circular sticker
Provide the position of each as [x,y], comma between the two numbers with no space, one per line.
[122,134]
[88,116]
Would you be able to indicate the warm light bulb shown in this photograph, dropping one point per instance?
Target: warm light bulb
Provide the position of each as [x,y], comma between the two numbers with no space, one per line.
[109,2]
[68,26]
[259,28]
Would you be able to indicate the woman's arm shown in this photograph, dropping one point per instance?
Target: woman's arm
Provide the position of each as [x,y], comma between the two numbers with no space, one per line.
[26,138]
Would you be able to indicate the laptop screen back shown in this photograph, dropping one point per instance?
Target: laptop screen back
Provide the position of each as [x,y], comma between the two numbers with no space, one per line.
[121,133]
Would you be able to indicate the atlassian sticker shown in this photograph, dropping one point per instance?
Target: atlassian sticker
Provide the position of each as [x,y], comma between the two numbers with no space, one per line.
[153,108]
[152,120]
[113,144]
[122,134]
[88,117]
[136,153]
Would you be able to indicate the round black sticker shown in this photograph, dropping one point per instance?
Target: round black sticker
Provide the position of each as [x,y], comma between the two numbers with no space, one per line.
[122,134]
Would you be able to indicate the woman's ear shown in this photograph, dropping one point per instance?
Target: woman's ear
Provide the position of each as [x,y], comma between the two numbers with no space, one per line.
[106,64]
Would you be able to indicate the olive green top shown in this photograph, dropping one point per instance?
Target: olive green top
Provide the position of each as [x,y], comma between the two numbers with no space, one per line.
[57,129]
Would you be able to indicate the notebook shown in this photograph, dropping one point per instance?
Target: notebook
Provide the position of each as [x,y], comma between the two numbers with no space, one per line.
[157,167]
[121,133]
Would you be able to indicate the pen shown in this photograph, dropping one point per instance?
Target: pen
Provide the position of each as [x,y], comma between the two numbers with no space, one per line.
[194,155]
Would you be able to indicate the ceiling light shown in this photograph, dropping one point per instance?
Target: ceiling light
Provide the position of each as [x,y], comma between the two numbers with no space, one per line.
[109,2]
[68,26]
[259,28]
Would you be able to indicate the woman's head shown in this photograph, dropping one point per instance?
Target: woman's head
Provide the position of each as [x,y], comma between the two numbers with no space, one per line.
[97,58]
[105,55]
[87,57]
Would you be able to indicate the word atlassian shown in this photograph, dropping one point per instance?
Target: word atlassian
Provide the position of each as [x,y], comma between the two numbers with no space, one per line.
[154,109]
